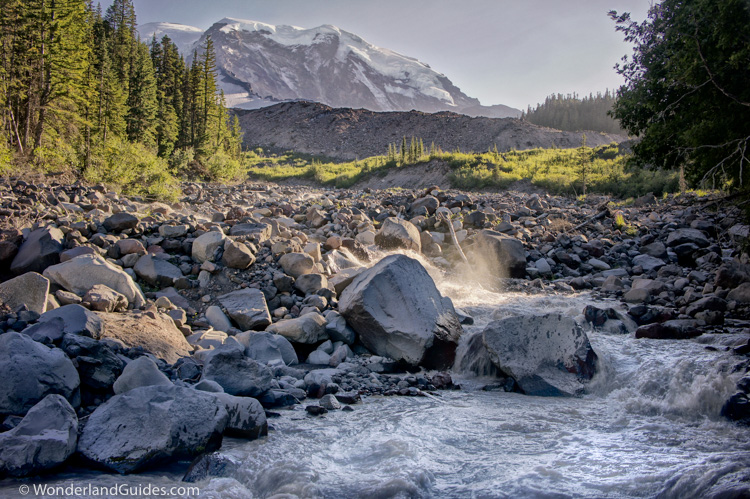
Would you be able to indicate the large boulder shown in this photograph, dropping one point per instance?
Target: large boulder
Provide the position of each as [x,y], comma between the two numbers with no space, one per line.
[309,329]
[396,233]
[30,371]
[82,273]
[150,425]
[206,245]
[398,312]
[40,250]
[29,289]
[155,332]
[685,236]
[267,348]
[547,355]
[502,255]
[44,439]
[236,373]
[247,308]
[156,271]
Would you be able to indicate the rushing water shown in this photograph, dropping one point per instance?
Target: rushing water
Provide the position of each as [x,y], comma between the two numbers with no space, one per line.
[649,426]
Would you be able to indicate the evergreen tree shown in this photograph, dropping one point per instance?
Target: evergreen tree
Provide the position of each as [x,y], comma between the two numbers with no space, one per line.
[142,102]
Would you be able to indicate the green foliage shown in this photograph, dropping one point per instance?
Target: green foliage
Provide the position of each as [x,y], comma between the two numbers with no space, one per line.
[133,169]
[556,170]
[686,94]
[570,112]
[223,167]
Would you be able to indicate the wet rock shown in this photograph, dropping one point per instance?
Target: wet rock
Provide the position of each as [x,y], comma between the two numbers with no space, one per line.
[309,329]
[330,402]
[247,308]
[670,330]
[397,233]
[29,289]
[398,312]
[140,372]
[151,425]
[503,255]
[30,371]
[211,465]
[547,355]
[44,439]
[84,272]
[316,410]
[40,250]
[237,374]
[247,419]
[737,408]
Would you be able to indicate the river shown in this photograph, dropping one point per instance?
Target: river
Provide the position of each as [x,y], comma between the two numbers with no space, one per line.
[648,426]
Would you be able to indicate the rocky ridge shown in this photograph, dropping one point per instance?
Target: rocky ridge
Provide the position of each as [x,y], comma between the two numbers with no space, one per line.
[344,133]
[239,300]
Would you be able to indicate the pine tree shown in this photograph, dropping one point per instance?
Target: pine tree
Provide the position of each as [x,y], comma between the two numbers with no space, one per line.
[142,102]
[403,150]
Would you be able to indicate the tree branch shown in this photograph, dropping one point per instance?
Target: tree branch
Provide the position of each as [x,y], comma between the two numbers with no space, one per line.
[711,75]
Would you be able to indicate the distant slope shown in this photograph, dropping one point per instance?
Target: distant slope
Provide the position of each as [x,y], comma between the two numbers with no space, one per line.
[350,133]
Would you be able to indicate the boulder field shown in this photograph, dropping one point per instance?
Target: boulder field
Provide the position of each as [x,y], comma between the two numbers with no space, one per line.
[135,333]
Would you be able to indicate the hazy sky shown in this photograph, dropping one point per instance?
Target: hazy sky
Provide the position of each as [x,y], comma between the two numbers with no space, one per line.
[513,52]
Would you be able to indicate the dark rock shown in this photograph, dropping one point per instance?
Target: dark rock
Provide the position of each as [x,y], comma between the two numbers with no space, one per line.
[76,320]
[40,250]
[237,374]
[669,330]
[98,365]
[211,465]
[503,255]
[120,222]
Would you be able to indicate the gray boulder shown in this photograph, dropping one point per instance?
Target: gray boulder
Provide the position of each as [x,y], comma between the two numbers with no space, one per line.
[97,364]
[29,289]
[82,273]
[44,439]
[150,425]
[218,319]
[261,232]
[309,329]
[247,308]
[247,419]
[685,236]
[105,299]
[75,320]
[311,283]
[547,355]
[237,374]
[139,372]
[156,272]
[237,255]
[338,329]
[397,233]
[502,255]
[40,250]
[398,312]
[297,264]
[30,371]
[206,245]
[267,348]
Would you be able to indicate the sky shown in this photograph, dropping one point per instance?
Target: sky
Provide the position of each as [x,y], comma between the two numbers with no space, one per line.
[512,52]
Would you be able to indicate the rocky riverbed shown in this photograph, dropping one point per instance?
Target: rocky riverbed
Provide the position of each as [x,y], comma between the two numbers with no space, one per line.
[136,334]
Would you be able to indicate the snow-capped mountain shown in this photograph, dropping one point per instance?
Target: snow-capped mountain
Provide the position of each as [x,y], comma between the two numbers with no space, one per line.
[261,64]
[183,36]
